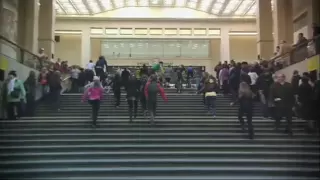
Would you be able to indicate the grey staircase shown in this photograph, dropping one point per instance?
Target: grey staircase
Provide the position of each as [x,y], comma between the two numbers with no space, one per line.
[185,144]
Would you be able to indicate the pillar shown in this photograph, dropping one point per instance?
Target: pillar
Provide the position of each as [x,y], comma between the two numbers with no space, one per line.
[282,22]
[47,18]
[225,45]
[28,24]
[264,28]
[85,47]
[313,15]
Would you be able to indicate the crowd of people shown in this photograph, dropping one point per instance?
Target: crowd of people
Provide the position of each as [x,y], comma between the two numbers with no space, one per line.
[245,83]
[280,99]
[287,54]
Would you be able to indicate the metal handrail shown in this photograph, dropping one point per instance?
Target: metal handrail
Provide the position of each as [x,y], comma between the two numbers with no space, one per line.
[16,45]
[22,53]
[298,53]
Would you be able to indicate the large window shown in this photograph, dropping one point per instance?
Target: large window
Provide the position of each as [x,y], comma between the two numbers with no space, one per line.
[154,48]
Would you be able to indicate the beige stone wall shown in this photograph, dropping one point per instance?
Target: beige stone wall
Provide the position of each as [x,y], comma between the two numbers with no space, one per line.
[242,48]
[69,49]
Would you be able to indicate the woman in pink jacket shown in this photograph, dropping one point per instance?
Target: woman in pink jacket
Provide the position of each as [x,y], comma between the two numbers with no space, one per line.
[94,95]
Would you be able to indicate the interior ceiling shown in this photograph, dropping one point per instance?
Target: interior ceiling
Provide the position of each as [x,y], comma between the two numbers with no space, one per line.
[227,8]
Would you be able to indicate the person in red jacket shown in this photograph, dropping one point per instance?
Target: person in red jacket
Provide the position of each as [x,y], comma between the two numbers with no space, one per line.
[151,91]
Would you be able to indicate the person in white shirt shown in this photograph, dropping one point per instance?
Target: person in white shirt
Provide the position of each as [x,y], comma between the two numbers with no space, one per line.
[90,65]
[74,78]
[42,57]
[253,76]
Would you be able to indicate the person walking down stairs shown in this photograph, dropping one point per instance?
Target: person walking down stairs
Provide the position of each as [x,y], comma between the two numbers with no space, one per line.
[94,95]
[151,91]
[245,100]
[133,92]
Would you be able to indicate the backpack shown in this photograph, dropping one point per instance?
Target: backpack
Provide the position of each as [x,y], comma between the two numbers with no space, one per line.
[190,70]
[153,88]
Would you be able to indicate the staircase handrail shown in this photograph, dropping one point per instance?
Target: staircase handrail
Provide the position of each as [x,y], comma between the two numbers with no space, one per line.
[298,53]
[25,56]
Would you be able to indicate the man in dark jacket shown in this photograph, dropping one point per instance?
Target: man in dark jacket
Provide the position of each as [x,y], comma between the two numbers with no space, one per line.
[116,88]
[295,81]
[133,92]
[100,66]
[151,91]
[125,77]
[143,100]
[282,95]
[263,84]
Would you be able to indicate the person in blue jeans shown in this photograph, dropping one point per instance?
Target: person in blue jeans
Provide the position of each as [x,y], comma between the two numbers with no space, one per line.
[209,89]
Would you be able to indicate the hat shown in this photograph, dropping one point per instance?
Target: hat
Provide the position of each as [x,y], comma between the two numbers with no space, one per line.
[96,78]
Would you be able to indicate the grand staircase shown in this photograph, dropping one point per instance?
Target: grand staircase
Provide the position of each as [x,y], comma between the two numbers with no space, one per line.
[185,143]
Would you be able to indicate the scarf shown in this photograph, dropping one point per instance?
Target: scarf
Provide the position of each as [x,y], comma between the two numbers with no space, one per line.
[11,85]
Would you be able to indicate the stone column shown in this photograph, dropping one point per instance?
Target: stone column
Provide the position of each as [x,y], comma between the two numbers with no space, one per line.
[313,15]
[282,22]
[225,45]
[85,47]
[264,29]
[28,24]
[47,18]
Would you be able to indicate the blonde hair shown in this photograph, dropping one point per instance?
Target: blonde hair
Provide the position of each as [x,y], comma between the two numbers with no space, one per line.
[245,90]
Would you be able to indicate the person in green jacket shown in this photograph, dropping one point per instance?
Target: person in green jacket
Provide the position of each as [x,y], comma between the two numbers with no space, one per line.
[16,95]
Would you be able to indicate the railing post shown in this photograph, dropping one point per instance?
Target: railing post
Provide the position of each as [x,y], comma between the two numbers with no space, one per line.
[21,56]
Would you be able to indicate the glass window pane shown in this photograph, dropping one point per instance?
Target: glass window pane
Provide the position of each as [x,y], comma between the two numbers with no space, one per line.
[126,31]
[200,31]
[171,48]
[139,50]
[155,48]
[155,31]
[141,31]
[171,31]
[185,31]
[214,32]
[96,31]
[111,31]
[195,49]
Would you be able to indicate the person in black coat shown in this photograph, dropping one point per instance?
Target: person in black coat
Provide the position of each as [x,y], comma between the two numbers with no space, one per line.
[30,85]
[143,100]
[82,80]
[245,100]
[133,92]
[125,77]
[234,80]
[116,87]
[282,96]
[305,97]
